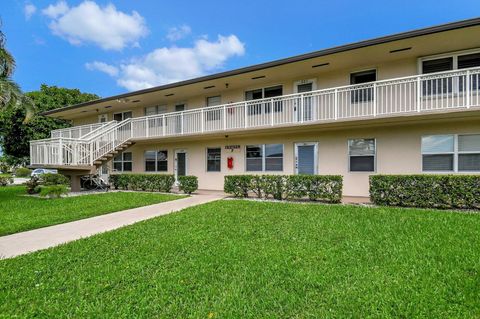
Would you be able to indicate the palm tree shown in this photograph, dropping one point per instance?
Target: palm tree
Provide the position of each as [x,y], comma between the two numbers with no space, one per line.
[11,95]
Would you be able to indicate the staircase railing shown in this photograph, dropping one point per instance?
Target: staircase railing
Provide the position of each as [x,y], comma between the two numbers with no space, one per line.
[80,151]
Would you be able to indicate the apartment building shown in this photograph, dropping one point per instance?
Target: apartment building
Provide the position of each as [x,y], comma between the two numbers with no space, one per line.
[407,103]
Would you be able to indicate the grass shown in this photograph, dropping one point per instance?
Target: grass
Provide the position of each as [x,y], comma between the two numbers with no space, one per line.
[19,213]
[242,259]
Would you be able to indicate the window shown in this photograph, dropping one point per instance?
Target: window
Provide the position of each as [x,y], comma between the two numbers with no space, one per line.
[213,114]
[451,153]
[361,154]
[122,116]
[156,161]
[155,110]
[214,159]
[447,63]
[123,162]
[268,157]
[264,107]
[362,95]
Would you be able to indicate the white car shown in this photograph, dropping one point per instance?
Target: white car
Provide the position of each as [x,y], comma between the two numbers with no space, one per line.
[40,171]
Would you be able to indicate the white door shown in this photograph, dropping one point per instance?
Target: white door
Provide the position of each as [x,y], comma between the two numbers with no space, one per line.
[306,158]
[304,105]
[180,163]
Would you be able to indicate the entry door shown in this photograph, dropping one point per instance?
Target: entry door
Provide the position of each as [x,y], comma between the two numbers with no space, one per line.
[178,121]
[306,158]
[304,105]
[180,163]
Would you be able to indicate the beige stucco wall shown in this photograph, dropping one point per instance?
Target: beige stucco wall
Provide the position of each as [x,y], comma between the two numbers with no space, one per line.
[398,152]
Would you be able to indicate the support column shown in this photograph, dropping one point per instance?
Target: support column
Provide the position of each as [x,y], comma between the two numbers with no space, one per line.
[75,183]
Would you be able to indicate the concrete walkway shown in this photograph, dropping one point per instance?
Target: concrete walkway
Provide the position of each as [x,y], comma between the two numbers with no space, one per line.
[37,239]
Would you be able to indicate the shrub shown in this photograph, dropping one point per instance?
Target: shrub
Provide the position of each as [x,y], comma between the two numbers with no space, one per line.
[188,184]
[50,179]
[32,185]
[238,185]
[145,182]
[5,179]
[427,191]
[53,191]
[327,188]
[23,172]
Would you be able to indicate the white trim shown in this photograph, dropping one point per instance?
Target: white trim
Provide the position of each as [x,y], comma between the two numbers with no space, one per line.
[206,159]
[175,167]
[315,154]
[374,154]
[455,154]
[306,81]
[453,54]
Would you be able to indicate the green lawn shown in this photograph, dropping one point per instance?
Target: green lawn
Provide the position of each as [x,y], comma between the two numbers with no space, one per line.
[20,213]
[241,259]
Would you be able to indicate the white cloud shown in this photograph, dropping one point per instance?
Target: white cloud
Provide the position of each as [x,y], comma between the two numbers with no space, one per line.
[103,67]
[55,10]
[29,10]
[172,64]
[106,27]
[177,33]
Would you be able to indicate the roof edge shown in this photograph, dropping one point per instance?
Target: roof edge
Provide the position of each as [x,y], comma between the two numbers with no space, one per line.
[337,49]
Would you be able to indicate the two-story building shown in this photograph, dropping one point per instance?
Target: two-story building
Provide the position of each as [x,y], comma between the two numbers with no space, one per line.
[407,103]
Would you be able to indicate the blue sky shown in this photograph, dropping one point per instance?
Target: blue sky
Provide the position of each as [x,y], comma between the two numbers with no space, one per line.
[110,47]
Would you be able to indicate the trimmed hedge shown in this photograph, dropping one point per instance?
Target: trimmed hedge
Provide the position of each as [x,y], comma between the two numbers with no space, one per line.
[426,191]
[188,184]
[145,182]
[23,172]
[326,188]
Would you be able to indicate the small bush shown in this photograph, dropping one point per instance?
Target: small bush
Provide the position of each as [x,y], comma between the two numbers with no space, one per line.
[53,191]
[327,188]
[188,184]
[32,185]
[23,172]
[426,191]
[53,179]
[5,179]
[145,182]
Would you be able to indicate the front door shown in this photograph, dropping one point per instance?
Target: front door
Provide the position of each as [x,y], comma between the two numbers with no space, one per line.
[306,158]
[180,163]
[178,120]
[304,108]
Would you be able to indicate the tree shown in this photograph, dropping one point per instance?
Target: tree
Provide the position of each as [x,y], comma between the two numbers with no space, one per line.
[11,96]
[15,135]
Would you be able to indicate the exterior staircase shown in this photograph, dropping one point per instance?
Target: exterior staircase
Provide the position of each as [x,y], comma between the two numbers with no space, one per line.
[90,150]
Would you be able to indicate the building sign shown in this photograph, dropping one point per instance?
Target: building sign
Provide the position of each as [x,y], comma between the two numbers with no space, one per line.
[232,148]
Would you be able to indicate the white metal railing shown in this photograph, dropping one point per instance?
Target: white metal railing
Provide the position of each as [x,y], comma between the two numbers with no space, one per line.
[459,89]
[78,131]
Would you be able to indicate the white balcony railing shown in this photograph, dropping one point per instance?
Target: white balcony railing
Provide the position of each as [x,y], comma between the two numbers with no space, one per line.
[78,131]
[453,90]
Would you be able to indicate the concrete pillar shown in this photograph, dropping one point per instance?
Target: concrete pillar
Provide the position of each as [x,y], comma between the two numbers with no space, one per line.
[75,182]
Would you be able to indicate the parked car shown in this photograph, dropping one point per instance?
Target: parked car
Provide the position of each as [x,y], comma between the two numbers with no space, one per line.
[40,171]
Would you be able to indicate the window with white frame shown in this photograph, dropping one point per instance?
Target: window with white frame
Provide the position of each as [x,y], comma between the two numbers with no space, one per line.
[264,107]
[214,159]
[448,62]
[361,153]
[156,161]
[155,110]
[451,153]
[213,114]
[266,157]
[123,162]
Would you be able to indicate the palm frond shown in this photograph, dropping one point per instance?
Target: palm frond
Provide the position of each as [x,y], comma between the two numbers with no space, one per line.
[11,96]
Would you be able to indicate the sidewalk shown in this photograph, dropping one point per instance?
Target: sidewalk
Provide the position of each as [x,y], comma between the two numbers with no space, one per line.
[37,239]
